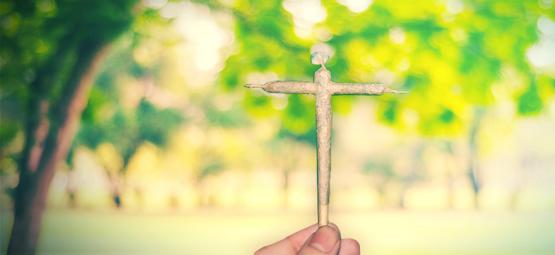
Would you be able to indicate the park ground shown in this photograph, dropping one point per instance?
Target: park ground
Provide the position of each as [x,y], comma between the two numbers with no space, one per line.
[242,232]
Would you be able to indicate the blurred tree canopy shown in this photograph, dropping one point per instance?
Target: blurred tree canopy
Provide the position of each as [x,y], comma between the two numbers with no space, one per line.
[41,41]
[106,119]
[127,130]
[450,55]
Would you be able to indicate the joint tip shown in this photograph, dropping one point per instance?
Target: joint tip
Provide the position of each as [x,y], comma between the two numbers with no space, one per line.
[252,86]
[392,91]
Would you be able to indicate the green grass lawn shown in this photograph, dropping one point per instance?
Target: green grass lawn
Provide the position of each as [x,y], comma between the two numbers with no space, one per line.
[224,232]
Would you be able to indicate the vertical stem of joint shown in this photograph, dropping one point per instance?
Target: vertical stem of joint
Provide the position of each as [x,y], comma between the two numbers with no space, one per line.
[323,128]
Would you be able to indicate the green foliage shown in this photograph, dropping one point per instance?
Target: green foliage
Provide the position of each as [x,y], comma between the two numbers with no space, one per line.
[106,119]
[44,38]
[390,113]
[308,137]
[448,59]
[228,118]
[297,113]
[46,47]
[529,102]
[154,124]
[127,130]
[382,169]
[8,130]
[210,167]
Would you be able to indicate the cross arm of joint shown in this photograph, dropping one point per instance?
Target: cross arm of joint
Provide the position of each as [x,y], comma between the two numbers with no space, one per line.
[361,89]
[287,87]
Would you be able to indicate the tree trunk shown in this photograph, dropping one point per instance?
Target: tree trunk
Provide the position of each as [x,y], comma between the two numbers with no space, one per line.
[116,199]
[285,188]
[71,199]
[527,164]
[473,171]
[173,201]
[476,186]
[515,199]
[415,169]
[401,199]
[381,189]
[449,176]
[450,196]
[140,197]
[28,208]
[71,189]
[115,180]
[197,183]
[41,156]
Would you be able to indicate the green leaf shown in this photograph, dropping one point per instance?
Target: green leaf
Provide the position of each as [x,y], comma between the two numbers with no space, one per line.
[530,102]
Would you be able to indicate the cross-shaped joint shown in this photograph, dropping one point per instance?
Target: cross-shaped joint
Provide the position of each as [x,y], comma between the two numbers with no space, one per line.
[324,88]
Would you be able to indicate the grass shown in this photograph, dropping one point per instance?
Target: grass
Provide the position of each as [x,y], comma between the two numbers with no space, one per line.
[241,232]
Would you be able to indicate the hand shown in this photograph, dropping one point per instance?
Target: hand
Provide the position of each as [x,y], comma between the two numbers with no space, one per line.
[312,240]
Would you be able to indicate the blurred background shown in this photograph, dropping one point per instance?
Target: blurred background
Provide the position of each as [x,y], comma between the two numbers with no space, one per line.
[125,127]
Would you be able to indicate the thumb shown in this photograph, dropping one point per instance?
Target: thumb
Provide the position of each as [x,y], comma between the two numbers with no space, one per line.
[325,241]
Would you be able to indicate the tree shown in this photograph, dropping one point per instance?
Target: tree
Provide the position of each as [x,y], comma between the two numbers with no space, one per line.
[219,148]
[210,164]
[286,149]
[448,158]
[381,174]
[126,131]
[473,172]
[53,51]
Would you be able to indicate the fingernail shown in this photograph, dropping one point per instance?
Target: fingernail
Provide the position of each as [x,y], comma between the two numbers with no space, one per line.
[324,239]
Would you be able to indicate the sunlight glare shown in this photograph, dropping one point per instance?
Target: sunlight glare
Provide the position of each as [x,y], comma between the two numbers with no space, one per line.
[356,6]
[306,13]
[206,37]
[542,54]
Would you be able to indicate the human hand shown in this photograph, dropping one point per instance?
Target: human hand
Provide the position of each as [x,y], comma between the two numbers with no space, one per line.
[312,240]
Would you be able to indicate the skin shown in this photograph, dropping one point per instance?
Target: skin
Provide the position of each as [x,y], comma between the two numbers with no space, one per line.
[313,240]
